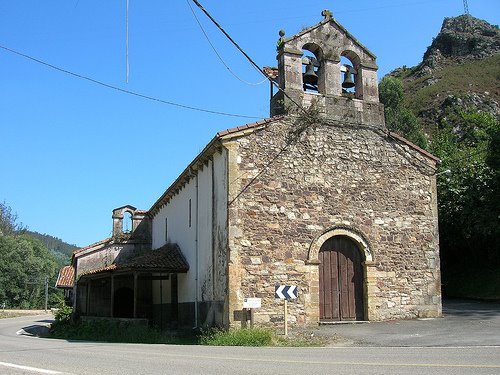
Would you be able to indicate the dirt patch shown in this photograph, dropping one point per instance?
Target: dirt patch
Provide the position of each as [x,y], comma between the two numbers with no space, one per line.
[16,313]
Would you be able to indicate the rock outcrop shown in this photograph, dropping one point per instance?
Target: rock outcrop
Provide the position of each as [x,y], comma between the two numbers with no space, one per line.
[460,71]
[461,38]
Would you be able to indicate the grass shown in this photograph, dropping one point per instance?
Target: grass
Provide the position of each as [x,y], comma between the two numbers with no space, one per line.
[256,337]
[17,313]
[238,337]
[5,314]
[111,331]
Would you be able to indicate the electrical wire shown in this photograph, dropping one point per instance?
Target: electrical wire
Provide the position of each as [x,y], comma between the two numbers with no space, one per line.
[249,58]
[217,53]
[129,92]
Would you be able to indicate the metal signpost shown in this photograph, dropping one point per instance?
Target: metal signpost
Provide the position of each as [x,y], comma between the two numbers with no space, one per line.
[285,292]
[250,304]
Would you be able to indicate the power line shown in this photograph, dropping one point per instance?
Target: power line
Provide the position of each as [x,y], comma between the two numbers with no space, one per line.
[217,53]
[248,57]
[126,91]
[290,141]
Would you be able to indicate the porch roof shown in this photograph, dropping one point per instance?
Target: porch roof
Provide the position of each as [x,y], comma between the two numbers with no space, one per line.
[168,259]
[66,277]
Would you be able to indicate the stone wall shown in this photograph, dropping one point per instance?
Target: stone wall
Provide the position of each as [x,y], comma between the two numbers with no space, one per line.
[291,183]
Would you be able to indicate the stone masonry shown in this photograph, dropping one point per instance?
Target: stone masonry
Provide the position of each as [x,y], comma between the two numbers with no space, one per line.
[332,177]
[331,168]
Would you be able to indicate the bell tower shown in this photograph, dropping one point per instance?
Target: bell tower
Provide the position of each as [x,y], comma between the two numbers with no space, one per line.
[325,66]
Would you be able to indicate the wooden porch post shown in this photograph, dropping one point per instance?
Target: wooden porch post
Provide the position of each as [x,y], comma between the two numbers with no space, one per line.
[135,295]
[89,290]
[112,296]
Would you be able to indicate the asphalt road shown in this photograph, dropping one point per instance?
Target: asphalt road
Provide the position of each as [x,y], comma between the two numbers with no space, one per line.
[464,323]
[21,354]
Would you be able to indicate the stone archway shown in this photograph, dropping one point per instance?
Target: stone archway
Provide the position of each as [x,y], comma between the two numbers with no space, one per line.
[354,235]
[364,260]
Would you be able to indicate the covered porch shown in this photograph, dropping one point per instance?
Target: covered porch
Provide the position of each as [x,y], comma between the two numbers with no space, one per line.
[141,289]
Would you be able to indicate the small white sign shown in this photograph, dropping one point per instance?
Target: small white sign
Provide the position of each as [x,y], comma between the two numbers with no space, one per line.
[252,303]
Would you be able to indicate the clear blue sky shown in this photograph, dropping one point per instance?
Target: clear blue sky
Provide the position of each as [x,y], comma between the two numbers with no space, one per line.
[71,150]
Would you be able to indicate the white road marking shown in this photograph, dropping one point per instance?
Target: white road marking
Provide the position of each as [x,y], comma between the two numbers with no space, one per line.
[28,368]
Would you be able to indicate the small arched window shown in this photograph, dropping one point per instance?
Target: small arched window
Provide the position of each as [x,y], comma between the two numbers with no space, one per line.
[127,222]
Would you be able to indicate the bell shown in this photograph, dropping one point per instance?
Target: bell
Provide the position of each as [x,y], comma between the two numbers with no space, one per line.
[310,77]
[348,82]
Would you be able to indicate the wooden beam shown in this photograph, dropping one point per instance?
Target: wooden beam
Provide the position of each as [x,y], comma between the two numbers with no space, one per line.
[112,295]
[135,295]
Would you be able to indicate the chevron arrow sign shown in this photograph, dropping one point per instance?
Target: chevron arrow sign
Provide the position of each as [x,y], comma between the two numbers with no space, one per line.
[285,291]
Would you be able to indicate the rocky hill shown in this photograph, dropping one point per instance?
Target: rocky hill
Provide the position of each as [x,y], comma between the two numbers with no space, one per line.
[463,38]
[460,69]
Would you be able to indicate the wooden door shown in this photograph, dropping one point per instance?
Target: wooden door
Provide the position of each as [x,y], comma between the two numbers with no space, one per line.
[340,280]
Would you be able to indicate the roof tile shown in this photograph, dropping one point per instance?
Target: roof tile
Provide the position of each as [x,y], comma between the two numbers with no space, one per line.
[66,277]
[168,258]
[102,242]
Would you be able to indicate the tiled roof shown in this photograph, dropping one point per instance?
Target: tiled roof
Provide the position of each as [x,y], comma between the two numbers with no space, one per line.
[66,277]
[251,126]
[414,146]
[168,258]
[271,72]
[99,243]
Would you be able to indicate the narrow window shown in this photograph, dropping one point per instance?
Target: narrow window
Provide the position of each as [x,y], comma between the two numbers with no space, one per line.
[189,213]
[127,222]
[166,229]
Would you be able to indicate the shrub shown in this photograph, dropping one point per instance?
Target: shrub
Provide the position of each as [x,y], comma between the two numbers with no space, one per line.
[63,314]
[116,331]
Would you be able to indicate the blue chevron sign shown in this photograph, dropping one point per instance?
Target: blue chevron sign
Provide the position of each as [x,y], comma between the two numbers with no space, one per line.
[285,292]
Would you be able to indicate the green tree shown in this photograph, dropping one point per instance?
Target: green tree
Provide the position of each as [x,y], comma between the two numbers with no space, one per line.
[469,197]
[8,221]
[398,117]
[24,264]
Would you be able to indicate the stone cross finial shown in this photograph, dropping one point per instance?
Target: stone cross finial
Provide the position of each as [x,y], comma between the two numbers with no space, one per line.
[327,14]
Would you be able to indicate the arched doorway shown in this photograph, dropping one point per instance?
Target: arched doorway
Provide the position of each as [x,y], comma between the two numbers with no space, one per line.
[124,303]
[340,280]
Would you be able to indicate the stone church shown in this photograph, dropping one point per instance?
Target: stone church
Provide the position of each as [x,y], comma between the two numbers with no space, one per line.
[320,196]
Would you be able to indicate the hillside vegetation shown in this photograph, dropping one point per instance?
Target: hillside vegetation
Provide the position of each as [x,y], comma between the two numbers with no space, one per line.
[479,79]
[454,95]
[26,263]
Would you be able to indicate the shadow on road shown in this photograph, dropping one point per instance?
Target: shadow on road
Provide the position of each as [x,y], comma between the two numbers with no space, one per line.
[471,309]
[35,330]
